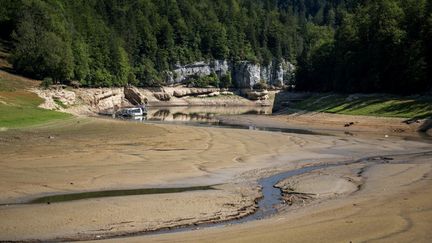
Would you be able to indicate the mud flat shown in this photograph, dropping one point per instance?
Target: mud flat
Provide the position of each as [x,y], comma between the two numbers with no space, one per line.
[384,202]
[320,121]
[82,155]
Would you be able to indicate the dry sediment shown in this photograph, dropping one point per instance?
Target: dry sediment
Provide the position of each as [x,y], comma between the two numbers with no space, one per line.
[47,159]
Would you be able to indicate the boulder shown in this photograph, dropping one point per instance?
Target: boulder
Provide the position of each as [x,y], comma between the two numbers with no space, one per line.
[162,96]
[193,91]
[180,93]
[134,96]
[227,93]
[214,94]
[257,95]
[75,84]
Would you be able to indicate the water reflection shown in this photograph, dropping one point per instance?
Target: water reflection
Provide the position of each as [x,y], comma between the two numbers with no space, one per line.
[198,113]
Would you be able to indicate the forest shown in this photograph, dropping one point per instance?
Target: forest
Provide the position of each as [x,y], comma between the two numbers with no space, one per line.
[337,45]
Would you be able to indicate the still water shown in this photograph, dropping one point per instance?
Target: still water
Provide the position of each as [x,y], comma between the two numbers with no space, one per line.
[198,114]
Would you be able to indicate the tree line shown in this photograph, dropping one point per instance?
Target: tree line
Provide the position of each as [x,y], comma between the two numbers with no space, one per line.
[379,46]
[338,45]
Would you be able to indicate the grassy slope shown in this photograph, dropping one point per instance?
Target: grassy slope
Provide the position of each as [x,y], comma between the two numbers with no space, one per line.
[19,109]
[370,105]
[18,106]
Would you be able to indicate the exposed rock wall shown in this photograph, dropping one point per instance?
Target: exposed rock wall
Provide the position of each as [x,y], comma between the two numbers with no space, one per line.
[245,74]
[183,73]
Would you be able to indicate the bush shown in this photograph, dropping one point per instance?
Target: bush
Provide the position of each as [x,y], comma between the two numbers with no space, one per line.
[205,81]
[260,86]
[226,81]
[46,82]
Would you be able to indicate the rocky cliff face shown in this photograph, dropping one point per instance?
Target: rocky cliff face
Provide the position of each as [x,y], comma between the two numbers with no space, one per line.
[183,73]
[245,74]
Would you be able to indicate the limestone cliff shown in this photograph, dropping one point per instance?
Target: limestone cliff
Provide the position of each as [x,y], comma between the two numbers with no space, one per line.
[245,74]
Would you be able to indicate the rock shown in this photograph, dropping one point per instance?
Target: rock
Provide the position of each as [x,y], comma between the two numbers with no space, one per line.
[214,94]
[56,98]
[75,84]
[257,95]
[426,126]
[182,92]
[227,93]
[183,73]
[134,96]
[103,98]
[245,74]
[162,96]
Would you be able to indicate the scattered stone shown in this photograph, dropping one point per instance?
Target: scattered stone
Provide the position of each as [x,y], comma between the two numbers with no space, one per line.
[349,124]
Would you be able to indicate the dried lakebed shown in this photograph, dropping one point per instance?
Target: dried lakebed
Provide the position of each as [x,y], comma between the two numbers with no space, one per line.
[267,205]
[250,160]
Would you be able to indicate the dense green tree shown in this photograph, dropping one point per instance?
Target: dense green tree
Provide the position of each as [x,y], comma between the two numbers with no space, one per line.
[380,46]
[338,45]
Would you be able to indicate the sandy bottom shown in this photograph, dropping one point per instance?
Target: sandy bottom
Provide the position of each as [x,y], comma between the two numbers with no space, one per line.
[367,126]
[96,154]
[393,205]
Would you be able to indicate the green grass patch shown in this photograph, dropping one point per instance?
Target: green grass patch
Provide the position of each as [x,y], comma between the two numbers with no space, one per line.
[10,85]
[19,109]
[369,105]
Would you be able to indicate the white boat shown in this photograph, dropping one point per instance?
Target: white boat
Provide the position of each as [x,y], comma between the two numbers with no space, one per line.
[133,112]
